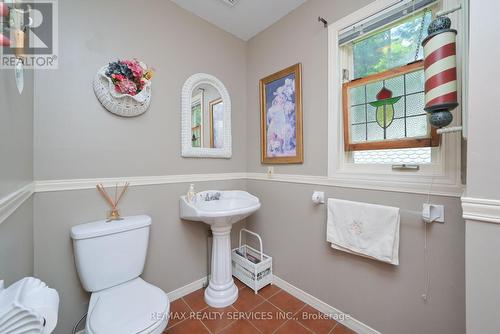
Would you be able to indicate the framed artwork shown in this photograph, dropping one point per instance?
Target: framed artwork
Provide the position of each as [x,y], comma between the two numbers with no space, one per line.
[216,108]
[281,117]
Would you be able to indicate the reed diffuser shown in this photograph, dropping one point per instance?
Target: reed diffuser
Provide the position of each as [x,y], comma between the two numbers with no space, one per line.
[113,214]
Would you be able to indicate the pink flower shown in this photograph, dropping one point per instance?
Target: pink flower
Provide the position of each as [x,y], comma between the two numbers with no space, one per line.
[126,86]
[135,67]
[118,77]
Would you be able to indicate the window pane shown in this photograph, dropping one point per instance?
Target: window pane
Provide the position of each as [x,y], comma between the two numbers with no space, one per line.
[414,82]
[416,156]
[396,130]
[415,104]
[417,126]
[357,95]
[395,46]
[358,114]
[358,133]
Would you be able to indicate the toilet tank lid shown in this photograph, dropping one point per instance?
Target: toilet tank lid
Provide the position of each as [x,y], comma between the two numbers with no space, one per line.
[102,227]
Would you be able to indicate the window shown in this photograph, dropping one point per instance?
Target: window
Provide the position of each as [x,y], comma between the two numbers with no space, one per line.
[376,101]
[383,107]
[386,110]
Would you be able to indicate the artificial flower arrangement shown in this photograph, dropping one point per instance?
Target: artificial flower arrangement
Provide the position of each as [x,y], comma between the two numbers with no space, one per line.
[129,76]
[124,87]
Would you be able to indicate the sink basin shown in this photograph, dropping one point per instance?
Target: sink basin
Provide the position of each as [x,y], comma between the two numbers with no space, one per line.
[220,209]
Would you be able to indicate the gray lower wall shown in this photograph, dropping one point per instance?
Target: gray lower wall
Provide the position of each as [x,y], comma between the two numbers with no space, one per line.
[16,244]
[177,249]
[385,297]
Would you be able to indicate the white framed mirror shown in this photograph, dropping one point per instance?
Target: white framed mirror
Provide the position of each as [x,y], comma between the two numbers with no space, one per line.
[206,118]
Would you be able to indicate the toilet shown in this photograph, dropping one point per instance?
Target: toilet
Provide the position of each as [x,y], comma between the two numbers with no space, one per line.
[109,258]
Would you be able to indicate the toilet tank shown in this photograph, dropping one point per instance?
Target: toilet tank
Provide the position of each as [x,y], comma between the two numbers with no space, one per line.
[110,253]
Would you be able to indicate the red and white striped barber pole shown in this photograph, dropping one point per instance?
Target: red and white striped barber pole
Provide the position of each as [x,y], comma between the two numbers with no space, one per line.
[440,68]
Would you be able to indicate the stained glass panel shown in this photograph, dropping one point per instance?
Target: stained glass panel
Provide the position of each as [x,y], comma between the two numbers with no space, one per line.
[393,109]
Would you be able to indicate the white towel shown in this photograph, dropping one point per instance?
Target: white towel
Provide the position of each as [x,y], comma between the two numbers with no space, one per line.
[364,229]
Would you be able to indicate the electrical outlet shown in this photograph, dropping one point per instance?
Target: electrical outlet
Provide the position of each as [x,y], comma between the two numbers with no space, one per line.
[270,171]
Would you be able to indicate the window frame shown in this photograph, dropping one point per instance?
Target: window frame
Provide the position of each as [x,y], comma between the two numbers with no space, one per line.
[442,176]
[431,140]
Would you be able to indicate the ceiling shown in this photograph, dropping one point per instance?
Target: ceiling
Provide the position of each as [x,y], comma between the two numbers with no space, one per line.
[245,19]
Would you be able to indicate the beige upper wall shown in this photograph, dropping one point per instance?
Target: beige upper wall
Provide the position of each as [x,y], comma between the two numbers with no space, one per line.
[483,161]
[16,132]
[75,137]
[298,37]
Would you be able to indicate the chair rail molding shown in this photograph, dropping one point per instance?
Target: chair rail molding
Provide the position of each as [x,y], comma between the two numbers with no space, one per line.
[481,209]
[415,188]
[79,184]
[10,203]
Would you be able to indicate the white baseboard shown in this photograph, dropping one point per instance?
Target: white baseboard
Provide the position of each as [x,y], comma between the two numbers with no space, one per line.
[323,307]
[186,289]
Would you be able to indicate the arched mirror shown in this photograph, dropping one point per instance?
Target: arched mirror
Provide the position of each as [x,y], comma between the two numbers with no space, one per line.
[206,118]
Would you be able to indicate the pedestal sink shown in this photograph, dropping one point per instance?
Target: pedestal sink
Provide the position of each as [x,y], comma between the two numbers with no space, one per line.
[220,209]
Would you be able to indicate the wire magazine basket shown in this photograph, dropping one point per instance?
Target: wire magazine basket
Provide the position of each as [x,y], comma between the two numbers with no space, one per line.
[252,266]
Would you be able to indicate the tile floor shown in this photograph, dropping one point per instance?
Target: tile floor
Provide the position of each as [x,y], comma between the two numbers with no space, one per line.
[272,310]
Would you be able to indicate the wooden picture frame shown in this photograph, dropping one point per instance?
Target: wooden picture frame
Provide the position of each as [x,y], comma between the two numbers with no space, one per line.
[281,117]
[211,106]
[432,140]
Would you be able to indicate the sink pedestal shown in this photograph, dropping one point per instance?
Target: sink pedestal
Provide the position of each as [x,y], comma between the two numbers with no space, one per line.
[221,290]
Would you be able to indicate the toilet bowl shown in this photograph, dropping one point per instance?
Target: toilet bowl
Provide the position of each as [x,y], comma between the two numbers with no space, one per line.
[109,257]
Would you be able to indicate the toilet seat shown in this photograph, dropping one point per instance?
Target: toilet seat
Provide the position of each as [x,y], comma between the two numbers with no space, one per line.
[134,307]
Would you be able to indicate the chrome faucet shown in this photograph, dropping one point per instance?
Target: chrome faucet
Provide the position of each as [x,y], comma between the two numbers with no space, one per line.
[212,196]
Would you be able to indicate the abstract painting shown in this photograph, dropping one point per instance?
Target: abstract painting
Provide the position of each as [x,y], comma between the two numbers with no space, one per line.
[281,117]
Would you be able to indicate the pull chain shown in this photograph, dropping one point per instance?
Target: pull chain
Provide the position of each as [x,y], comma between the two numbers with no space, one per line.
[420,33]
